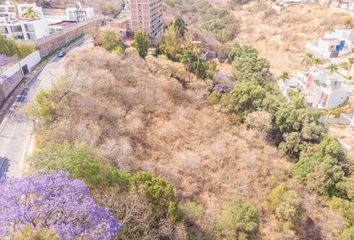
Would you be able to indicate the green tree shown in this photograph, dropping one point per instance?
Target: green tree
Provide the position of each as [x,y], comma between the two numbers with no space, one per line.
[180,25]
[348,23]
[321,168]
[191,59]
[75,159]
[7,47]
[284,76]
[276,196]
[239,221]
[344,207]
[347,234]
[23,50]
[141,43]
[247,65]
[158,193]
[291,211]
[309,60]
[42,109]
[30,13]
[246,97]
[172,45]
[332,67]
[110,40]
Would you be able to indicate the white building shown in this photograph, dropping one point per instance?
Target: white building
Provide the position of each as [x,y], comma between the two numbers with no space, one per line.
[321,90]
[31,29]
[15,25]
[333,44]
[17,10]
[79,14]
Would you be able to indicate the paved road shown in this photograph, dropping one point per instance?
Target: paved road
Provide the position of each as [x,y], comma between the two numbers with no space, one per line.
[16,128]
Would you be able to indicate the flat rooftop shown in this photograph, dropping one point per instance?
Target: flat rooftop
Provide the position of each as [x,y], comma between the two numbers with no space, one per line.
[63,23]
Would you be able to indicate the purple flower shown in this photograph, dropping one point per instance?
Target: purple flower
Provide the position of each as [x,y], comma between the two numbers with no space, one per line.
[53,201]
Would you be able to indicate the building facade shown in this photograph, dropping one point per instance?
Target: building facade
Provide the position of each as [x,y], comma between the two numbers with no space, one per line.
[147,15]
[320,89]
[15,25]
[333,44]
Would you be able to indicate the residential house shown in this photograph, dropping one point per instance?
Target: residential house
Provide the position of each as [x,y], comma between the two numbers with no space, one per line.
[30,29]
[79,14]
[333,44]
[14,25]
[320,89]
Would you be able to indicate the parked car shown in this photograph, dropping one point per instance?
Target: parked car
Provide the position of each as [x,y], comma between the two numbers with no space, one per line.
[61,54]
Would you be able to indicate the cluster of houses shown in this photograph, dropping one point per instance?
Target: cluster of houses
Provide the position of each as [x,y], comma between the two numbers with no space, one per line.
[324,89]
[27,21]
[320,89]
[333,44]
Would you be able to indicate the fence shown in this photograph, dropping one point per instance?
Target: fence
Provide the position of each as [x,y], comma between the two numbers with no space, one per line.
[49,44]
[13,75]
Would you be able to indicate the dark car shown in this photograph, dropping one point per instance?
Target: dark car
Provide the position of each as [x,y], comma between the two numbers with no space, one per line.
[61,54]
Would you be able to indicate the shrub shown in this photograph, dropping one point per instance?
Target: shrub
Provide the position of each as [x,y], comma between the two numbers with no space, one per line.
[7,47]
[42,109]
[287,206]
[290,210]
[77,160]
[214,98]
[246,97]
[247,65]
[344,207]
[23,50]
[110,40]
[141,43]
[276,196]
[158,193]
[321,169]
[347,234]
[239,221]
[193,210]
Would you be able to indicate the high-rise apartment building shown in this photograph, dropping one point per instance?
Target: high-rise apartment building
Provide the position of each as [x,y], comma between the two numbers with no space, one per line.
[147,15]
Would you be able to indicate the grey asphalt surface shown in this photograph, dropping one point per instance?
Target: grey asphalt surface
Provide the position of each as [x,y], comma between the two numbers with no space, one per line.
[16,128]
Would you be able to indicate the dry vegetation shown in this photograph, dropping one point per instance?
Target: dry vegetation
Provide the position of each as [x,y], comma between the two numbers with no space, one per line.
[281,37]
[152,115]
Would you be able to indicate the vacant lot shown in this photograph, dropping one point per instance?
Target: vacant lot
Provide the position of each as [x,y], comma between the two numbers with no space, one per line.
[281,37]
[153,115]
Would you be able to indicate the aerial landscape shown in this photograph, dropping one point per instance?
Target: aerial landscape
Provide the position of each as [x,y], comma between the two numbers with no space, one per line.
[176,119]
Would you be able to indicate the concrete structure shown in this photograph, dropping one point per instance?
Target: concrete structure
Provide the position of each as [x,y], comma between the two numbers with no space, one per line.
[14,25]
[147,15]
[79,14]
[343,4]
[333,44]
[321,90]
[60,26]
[350,119]
[31,29]
[17,10]
[14,73]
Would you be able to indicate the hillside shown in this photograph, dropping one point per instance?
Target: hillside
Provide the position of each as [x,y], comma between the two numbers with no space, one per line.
[280,37]
[137,115]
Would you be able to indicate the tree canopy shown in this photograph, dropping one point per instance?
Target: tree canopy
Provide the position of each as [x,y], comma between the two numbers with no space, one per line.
[53,201]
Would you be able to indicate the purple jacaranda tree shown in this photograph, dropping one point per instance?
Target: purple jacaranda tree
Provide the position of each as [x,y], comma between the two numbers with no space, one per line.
[53,201]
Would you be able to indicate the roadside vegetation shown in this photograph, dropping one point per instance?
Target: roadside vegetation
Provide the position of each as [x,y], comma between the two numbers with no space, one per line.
[173,158]
[9,48]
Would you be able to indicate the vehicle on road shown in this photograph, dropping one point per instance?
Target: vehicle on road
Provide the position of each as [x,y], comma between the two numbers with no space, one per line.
[61,54]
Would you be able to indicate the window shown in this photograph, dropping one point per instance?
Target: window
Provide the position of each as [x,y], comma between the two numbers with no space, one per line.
[31,36]
[3,30]
[16,28]
[2,9]
[29,27]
